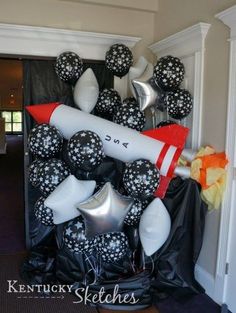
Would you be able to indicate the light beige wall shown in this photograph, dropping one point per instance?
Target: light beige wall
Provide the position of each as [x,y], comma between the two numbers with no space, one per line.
[173,16]
[79,16]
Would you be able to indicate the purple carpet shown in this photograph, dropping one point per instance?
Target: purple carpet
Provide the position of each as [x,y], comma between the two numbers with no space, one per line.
[195,304]
[12,197]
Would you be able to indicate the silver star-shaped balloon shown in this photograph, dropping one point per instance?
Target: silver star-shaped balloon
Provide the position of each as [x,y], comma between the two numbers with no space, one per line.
[105,211]
[148,94]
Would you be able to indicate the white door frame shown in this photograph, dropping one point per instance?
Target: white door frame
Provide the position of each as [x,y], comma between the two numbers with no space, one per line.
[228,17]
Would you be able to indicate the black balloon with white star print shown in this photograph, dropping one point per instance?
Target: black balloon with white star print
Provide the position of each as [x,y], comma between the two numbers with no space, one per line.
[34,169]
[141,178]
[75,239]
[85,150]
[108,101]
[129,115]
[165,123]
[179,103]
[45,141]
[51,174]
[43,213]
[112,246]
[119,59]
[69,67]
[130,100]
[169,72]
[135,212]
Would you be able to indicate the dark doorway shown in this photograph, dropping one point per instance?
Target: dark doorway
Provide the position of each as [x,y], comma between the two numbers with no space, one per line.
[12,234]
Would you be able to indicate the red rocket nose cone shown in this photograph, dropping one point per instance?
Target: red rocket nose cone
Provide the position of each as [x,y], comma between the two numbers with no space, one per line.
[41,113]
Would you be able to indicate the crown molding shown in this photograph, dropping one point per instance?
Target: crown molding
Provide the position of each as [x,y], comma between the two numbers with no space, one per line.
[185,42]
[45,41]
[228,17]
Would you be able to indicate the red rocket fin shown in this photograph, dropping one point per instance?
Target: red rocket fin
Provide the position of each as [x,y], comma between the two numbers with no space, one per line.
[174,135]
[41,113]
[161,190]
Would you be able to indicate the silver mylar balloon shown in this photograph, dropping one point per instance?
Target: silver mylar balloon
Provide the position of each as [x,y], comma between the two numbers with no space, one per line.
[148,94]
[189,154]
[183,171]
[105,211]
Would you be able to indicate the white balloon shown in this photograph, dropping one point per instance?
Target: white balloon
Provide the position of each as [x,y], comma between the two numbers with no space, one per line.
[154,227]
[136,71]
[86,91]
[148,73]
[66,196]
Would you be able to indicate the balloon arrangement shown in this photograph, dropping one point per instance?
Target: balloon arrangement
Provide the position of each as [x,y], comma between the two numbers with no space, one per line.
[160,88]
[94,221]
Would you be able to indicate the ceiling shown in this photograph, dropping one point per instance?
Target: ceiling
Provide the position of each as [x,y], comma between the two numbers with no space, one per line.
[140,5]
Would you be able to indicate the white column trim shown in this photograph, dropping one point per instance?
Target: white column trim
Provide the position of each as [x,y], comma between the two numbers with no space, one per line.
[190,41]
[228,17]
[185,42]
[44,41]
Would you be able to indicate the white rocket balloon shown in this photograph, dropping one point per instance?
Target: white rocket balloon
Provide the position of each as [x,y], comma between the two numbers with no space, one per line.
[86,91]
[154,227]
[161,146]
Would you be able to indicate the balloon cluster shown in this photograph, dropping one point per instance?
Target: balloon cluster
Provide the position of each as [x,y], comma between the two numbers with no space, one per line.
[63,170]
[159,87]
[94,222]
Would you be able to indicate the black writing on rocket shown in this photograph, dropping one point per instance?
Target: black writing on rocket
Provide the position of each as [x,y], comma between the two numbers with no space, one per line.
[116,141]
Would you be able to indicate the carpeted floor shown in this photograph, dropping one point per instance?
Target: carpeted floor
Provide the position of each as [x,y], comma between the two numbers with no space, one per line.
[12,197]
[195,304]
[150,310]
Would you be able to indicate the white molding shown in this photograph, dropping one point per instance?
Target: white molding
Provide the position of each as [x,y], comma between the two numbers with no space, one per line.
[228,17]
[185,42]
[205,279]
[50,42]
[189,42]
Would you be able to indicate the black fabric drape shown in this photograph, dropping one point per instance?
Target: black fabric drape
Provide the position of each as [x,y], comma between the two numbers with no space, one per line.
[42,85]
[104,77]
[175,261]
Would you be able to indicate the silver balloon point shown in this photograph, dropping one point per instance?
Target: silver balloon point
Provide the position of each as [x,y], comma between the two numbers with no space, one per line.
[189,154]
[183,171]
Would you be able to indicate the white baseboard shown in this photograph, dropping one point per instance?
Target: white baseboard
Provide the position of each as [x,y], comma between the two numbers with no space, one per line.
[206,280]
